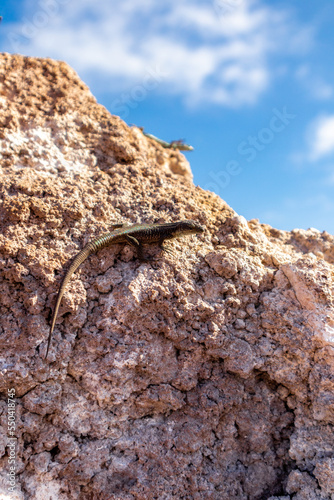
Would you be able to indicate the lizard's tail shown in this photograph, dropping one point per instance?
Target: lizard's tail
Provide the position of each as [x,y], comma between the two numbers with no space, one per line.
[78,260]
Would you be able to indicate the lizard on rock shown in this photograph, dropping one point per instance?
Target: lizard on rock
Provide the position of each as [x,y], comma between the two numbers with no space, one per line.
[137,236]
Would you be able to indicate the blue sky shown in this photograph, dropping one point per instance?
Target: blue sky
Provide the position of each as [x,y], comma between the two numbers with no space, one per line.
[248,83]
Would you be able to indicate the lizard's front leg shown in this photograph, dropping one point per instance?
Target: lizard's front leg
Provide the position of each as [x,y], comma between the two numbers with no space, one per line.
[165,248]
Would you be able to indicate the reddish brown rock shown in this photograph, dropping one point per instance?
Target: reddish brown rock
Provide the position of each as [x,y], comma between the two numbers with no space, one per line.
[203,375]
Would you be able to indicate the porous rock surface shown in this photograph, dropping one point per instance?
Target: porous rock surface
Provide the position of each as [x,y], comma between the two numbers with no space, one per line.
[206,374]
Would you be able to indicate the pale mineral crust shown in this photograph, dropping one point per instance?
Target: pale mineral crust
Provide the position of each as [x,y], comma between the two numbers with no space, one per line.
[206,374]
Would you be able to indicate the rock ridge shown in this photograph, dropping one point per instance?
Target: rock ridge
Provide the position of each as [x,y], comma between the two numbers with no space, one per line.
[203,374]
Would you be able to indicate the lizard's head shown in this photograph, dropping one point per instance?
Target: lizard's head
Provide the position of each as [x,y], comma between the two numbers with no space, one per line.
[189,227]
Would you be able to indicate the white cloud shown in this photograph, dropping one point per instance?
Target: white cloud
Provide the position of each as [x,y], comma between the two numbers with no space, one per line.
[217,52]
[321,137]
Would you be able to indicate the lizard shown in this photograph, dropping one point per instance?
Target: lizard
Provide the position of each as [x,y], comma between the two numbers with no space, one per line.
[179,144]
[136,235]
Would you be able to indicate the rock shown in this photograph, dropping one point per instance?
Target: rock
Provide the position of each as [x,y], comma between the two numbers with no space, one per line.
[203,374]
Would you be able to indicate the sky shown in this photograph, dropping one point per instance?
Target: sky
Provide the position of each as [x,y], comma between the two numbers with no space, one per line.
[248,83]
